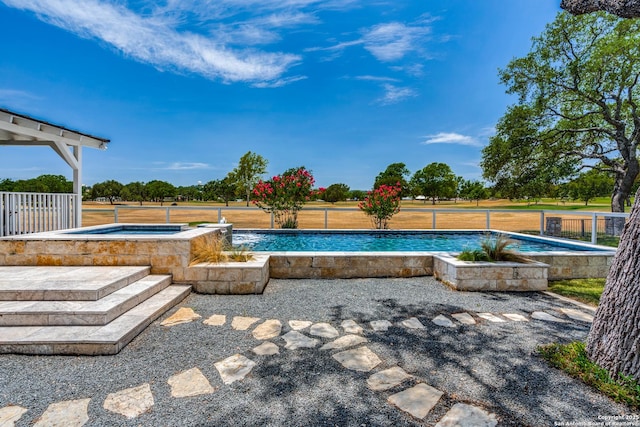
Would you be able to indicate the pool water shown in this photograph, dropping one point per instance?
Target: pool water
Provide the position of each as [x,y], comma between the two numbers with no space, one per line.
[412,241]
[132,230]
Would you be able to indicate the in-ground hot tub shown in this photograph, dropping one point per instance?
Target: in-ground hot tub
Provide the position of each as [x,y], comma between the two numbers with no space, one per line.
[164,247]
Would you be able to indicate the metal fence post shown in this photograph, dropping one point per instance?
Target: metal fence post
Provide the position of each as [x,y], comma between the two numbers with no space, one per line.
[272,220]
[488,220]
[433,222]
[594,229]
[542,223]
[168,215]
[219,215]
[326,218]
[115,214]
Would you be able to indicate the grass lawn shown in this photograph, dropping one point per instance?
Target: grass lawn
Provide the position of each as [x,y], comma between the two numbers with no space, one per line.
[572,358]
[587,291]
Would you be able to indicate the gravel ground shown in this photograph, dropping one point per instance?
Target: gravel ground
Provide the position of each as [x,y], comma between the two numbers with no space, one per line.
[490,365]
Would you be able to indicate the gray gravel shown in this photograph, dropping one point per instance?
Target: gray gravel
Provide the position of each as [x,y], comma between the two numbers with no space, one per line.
[490,365]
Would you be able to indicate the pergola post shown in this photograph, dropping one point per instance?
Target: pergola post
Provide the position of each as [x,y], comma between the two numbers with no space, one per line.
[77,185]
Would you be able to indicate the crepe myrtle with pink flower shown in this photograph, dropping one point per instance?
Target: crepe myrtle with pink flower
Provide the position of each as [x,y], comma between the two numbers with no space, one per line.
[284,195]
[381,204]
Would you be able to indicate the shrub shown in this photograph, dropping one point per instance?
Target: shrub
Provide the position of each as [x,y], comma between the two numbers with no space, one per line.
[284,195]
[382,204]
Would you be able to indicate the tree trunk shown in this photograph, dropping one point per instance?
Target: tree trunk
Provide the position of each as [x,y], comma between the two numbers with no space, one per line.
[614,339]
[624,180]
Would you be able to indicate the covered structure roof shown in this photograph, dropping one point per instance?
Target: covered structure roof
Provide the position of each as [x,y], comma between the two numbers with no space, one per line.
[21,130]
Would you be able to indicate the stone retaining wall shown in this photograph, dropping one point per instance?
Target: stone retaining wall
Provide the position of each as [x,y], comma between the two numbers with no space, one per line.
[344,265]
[490,276]
[575,265]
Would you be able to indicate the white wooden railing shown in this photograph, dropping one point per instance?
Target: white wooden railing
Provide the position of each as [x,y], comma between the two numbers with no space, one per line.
[23,213]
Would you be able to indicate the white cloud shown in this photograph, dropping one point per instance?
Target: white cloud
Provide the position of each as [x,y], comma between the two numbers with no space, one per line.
[387,42]
[187,166]
[279,82]
[392,41]
[394,94]
[452,138]
[155,40]
[376,79]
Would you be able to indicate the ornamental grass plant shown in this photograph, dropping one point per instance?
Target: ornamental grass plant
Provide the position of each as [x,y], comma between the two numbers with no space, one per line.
[493,250]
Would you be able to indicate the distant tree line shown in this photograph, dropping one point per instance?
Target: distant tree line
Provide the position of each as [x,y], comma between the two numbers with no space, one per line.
[434,182]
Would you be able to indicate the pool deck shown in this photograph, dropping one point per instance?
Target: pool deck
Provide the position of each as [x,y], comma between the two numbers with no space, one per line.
[383,352]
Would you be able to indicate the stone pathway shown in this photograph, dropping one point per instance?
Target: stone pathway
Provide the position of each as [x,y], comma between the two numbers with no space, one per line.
[350,352]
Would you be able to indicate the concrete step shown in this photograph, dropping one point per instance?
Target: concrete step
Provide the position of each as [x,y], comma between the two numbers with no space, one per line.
[101,312]
[82,283]
[90,340]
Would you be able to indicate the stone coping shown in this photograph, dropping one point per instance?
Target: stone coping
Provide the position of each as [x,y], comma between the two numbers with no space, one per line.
[73,234]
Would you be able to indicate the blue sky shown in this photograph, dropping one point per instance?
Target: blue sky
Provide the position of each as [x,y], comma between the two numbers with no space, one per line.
[183,88]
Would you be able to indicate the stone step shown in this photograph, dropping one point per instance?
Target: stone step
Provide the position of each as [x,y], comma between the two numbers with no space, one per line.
[90,340]
[101,312]
[82,283]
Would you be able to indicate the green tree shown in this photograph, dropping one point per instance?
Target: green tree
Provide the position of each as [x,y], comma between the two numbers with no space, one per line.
[473,190]
[614,335]
[221,189]
[394,173]
[434,181]
[109,189]
[7,184]
[357,194]
[159,190]
[578,103]
[589,185]
[336,193]
[134,192]
[248,172]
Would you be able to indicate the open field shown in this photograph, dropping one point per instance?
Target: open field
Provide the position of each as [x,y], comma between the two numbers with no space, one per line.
[519,216]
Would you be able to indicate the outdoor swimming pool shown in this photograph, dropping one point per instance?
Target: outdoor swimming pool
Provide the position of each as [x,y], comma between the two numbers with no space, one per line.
[390,241]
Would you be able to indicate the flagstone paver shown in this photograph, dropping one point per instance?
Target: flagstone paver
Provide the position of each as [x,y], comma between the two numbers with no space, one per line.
[295,340]
[241,323]
[324,330]
[130,402]
[380,325]
[577,315]
[351,327]
[216,320]
[412,323]
[359,359]
[491,317]
[266,349]
[189,383]
[234,368]
[344,342]
[389,378]
[442,320]
[464,318]
[267,330]
[298,325]
[10,414]
[515,317]
[543,315]
[463,415]
[183,315]
[417,401]
[69,413]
